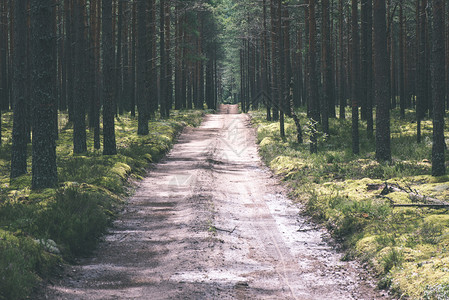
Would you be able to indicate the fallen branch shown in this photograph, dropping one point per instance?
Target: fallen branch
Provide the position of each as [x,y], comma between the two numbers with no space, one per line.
[436,206]
[412,195]
[225,230]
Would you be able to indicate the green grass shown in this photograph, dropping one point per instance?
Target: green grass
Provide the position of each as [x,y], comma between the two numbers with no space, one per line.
[38,229]
[408,248]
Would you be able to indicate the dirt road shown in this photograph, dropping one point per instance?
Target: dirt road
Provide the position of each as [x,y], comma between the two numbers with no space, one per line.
[211,222]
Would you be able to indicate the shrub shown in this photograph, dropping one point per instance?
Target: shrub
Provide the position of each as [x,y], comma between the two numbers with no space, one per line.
[75,220]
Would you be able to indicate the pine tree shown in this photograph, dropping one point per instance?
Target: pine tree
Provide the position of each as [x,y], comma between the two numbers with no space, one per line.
[381,71]
[355,90]
[141,69]
[79,94]
[109,143]
[438,78]
[314,102]
[19,134]
[44,104]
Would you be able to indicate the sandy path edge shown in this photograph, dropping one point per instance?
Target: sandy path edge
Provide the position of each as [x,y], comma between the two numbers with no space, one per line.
[211,222]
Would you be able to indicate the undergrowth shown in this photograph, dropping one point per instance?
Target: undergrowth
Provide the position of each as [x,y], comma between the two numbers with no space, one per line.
[41,229]
[408,248]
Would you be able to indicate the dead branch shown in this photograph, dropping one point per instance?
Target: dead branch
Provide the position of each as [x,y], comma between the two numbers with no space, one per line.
[412,195]
[436,206]
[225,230]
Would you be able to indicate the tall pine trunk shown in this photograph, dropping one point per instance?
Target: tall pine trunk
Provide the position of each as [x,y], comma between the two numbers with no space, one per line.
[401,75]
[438,76]
[163,66]
[355,79]
[342,75]
[19,133]
[79,94]
[381,71]
[421,68]
[141,70]
[328,84]
[109,143]
[44,104]
[314,102]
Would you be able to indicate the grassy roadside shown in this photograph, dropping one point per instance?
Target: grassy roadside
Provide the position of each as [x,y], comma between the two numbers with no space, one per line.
[41,229]
[408,248]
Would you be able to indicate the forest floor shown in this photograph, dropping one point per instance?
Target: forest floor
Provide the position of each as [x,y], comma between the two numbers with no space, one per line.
[212,222]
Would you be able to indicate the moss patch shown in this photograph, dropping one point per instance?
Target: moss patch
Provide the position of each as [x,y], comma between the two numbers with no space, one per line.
[407,247]
[38,228]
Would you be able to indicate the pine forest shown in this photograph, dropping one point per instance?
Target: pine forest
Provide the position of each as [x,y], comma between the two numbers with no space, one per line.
[345,100]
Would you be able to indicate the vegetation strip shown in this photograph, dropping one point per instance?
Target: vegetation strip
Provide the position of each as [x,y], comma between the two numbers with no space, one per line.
[41,228]
[407,247]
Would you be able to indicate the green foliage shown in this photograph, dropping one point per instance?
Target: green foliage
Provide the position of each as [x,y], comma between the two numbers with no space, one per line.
[393,258]
[38,227]
[22,261]
[17,278]
[75,219]
[407,247]
[430,233]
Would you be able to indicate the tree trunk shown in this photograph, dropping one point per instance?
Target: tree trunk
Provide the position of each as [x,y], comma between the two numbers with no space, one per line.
[273,86]
[132,68]
[118,59]
[355,94]
[70,57]
[44,172]
[169,69]
[178,57]
[109,143]
[280,69]
[402,102]
[381,71]
[4,42]
[265,82]
[163,66]
[342,76]
[141,87]
[126,61]
[364,58]
[314,102]
[370,73]
[79,95]
[421,69]
[19,133]
[328,83]
[438,77]
[152,81]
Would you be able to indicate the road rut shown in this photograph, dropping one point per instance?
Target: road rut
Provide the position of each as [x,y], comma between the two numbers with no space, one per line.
[211,222]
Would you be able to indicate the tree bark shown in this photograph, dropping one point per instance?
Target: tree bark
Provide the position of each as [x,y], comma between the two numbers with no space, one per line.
[109,143]
[163,66]
[355,94]
[381,71]
[141,86]
[118,59]
[402,101]
[19,133]
[79,94]
[132,68]
[328,84]
[168,67]
[314,102]
[421,69]
[341,89]
[438,77]
[44,172]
